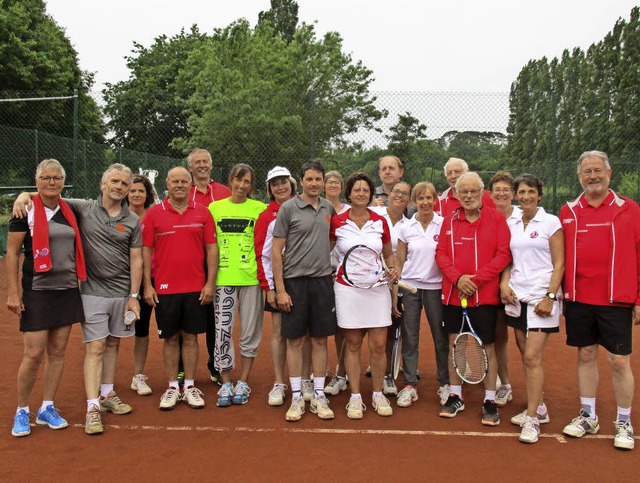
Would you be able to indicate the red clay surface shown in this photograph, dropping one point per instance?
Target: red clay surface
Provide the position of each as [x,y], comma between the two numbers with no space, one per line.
[254,442]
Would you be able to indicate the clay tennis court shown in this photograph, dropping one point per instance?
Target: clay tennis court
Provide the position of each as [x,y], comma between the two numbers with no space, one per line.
[254,443]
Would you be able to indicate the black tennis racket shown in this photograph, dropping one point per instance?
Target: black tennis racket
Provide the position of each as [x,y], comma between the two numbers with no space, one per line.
[469,355]
[364,267]
[396,351]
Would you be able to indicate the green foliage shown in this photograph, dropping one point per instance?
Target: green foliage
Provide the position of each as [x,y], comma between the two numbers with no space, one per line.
[283,17]
[38,60]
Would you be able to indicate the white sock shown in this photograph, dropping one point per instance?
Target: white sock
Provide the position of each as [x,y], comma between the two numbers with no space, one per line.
[356,395]
[489,395]
[318,386]
[589,406]
[377,394]
[45,404]
[188,383]
[457,390]
[542,409]
[174,384]
[105,389]
[93,402]
[296,385]
[624,414]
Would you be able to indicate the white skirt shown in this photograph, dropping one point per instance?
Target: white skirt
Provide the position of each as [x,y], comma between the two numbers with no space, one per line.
[362,308]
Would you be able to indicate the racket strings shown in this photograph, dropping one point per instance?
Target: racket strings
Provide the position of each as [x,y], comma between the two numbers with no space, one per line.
[470,359]
[363,268]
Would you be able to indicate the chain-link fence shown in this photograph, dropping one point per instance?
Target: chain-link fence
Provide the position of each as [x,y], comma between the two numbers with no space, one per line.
[423,129]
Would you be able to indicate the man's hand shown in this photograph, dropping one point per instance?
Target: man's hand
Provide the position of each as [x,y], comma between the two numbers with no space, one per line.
[207,293]
[466,286]
[134,306]
[636,315]
[284,301]
[271,298]
[378,201]
[150,295]
[21,205]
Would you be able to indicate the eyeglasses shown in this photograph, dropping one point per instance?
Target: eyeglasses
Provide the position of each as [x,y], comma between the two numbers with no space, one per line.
[406,194]
[333,183]
[48,179]
[469,192]
[502,190]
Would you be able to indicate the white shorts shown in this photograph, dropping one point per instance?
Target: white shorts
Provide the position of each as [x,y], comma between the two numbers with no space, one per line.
[362,308]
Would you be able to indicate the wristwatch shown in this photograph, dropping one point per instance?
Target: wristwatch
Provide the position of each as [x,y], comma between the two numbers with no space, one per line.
[552,296]
[135,296]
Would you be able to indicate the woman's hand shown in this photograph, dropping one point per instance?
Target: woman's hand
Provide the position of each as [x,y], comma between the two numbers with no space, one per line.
[507,295]
[544,307]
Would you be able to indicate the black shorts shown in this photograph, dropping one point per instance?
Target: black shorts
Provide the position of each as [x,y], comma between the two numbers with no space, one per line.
[181,311]
[313,310]
[142,324]
[50,309]
[269,308]
[521,322]
[483,319]
[610,327]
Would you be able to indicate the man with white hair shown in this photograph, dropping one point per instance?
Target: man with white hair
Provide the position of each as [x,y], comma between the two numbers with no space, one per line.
[448,202]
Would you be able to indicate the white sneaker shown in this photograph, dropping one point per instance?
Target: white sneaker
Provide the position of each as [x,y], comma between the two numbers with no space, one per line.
[443,393]
[381,405]
[139,384]
[296,410]
[389,386]
[320,406]
[355,408]
[169,399]
[336,385]
[530,430]
[276,396]
[193,397]
[581,425]
[407,397]
[503,396]
[519,418]
[307,390]
[624,435]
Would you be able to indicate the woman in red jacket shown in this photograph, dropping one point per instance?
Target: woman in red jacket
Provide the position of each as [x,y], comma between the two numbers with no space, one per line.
[472,250]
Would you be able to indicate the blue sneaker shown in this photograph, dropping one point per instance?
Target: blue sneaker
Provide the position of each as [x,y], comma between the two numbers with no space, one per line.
[51,418]
[225,395]
[241,394]
[21,426]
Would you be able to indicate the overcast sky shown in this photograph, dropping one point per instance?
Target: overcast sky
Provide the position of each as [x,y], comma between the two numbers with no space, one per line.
[411,45]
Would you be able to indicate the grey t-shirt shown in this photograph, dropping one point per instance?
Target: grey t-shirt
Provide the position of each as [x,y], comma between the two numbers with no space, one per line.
[307,248]
[107,243]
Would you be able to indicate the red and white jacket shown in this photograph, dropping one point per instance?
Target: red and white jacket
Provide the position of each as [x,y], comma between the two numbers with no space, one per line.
[623,277]
[446,204]
[263,241]
[480,248]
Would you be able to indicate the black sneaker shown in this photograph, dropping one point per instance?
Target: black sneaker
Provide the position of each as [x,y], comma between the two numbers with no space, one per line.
[215,374]
[452,407]
[490,416]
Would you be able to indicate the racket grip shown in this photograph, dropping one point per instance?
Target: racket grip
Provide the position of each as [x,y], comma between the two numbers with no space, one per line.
[406,287]
[463,302]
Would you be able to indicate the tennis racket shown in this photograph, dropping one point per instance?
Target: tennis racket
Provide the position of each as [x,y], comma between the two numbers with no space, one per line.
[469,355]
[363,267]
[396,351]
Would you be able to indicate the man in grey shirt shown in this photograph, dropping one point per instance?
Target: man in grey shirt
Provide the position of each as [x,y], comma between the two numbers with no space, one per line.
[304,286]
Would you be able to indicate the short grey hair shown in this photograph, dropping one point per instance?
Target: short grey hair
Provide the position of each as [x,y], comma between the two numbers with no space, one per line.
[470,175]
[198,151]
[465,166]
[594,154]
[50,164]
[117,167]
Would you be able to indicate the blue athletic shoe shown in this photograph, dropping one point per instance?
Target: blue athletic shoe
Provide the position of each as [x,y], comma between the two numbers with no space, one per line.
[21,426]
[225,396]
[241,394]
[51,418]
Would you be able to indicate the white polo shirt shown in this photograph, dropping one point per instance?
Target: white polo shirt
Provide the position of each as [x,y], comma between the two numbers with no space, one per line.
[382,211]
[532,264]
[420,268]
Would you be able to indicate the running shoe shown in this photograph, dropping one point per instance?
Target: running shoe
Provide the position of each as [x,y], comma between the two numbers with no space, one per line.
[241,393]
[503,396]
[530,430]
[581,425]
[276,396]
[193,397]
[407,397]
[381,405]
[50,417]
[21,426]
[93,422]
[113,403]
[519,418]
[320,406]
[389,386]
[355,408]
[169,399]
[296,410]
[336,385]
[139,384]
[307,390]
[624,435]
[443,393]
[214,373]
[453,406]
[225,395]
[490,415]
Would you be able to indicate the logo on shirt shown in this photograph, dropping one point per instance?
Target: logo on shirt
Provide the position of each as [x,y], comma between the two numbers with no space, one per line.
[164,286]
[534,234]
[566,221]
[436,237]
[120,228]
[41,253]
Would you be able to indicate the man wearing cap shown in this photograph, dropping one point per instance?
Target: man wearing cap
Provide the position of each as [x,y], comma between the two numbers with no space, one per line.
[205,191]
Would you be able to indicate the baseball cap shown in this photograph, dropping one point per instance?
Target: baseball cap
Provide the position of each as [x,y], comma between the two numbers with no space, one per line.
[277,172]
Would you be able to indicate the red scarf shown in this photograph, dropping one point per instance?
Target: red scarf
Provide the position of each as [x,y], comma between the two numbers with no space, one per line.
[40,239]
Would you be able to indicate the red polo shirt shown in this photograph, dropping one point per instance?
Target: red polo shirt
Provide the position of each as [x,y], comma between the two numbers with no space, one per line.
[215,192]
[178,242]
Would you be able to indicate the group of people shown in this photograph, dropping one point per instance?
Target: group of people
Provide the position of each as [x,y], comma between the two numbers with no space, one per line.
[208,252]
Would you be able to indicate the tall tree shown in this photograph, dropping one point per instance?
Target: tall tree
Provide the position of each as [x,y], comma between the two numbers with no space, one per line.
[283,17]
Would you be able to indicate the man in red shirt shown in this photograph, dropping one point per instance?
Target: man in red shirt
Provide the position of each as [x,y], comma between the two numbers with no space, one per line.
[181,235]
[205,191]
[602,291]
[448,201]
